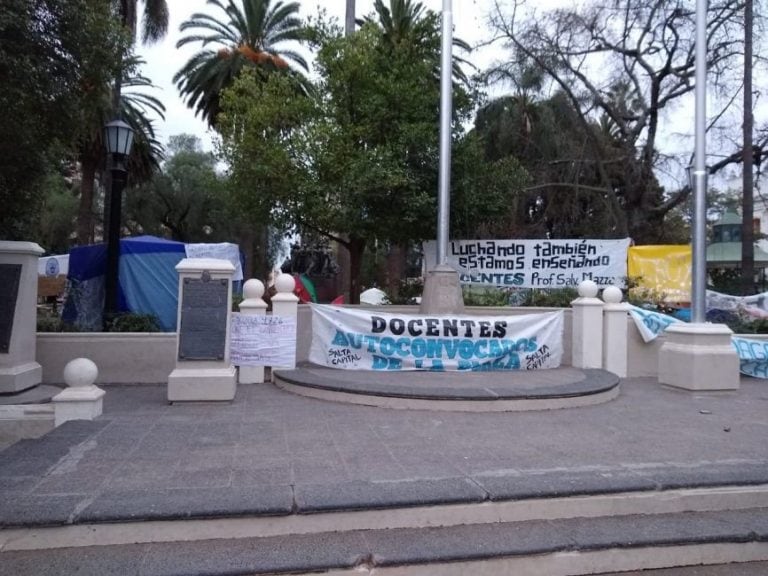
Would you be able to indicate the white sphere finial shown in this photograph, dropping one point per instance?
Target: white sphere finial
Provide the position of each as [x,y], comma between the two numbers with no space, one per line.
[587,289]
[612,295]
[253,289]
[80,372]
[285,284]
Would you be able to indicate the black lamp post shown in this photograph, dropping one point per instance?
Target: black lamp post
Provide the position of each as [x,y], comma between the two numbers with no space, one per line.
[118,138]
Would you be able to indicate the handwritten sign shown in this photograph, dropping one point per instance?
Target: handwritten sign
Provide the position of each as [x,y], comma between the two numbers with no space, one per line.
[535,263]
[263,340]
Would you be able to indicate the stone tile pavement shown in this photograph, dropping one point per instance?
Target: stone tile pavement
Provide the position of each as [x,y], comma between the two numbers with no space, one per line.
[270,452]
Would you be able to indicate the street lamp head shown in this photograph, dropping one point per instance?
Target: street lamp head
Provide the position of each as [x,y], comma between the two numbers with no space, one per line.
[118,138]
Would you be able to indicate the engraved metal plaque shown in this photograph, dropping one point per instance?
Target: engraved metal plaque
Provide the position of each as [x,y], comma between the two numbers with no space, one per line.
[203,330]
[9,291]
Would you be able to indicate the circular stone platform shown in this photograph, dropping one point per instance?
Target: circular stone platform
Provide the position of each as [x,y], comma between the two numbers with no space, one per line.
[459,391]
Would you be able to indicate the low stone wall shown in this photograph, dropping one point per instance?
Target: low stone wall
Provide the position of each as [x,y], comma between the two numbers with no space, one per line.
[122,358]
[149,358]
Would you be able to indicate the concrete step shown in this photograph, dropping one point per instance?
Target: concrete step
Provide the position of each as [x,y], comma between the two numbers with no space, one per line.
[21,421]
[40,394]
[566,547]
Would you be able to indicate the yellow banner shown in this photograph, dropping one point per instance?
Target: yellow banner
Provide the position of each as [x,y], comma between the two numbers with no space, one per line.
[664,269]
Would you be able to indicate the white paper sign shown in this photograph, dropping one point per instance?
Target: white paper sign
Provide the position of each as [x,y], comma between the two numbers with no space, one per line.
[363,340]
[262,340]
[535,263]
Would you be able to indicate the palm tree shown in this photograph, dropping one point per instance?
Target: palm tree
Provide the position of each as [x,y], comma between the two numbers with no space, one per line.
[146,153]
[408,21]
[154,22]
[154,25]
[246,36]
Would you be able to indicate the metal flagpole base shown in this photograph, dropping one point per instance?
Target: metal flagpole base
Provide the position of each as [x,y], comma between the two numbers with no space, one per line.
[442,292]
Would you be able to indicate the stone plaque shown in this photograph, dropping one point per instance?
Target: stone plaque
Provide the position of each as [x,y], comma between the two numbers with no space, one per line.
[9,291]
[203,330]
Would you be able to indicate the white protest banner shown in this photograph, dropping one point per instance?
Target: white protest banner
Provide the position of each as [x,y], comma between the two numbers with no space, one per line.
[535,263]
[219,250]
[755,306]
[649,323]
[753,356]
[262,340]
[366,340]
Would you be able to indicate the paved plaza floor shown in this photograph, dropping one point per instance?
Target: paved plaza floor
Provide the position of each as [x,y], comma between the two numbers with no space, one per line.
[271,452]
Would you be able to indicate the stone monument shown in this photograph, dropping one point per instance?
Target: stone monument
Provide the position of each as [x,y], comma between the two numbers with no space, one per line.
[18,316]
[203,370]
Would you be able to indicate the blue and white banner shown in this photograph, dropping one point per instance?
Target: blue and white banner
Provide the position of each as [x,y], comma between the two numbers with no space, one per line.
[365,340]
[650,324]
[753,356]
[535,263]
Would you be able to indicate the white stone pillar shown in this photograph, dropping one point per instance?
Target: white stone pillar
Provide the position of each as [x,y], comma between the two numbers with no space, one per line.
[286,304]
[615,332]
[699,357]
[81,400]
[252,305]
[203,370]
[587,327]
[18,316]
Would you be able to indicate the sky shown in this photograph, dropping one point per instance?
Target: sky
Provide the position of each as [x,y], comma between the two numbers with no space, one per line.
[163,59]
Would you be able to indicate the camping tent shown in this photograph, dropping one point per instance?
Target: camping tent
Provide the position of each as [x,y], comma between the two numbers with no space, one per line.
[149,282]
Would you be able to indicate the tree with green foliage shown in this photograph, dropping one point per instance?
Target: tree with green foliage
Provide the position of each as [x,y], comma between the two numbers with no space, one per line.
[375,147]
[565,197]
[57,211]
[249,35]
[357,160]
[408,22]
[48,80]
[261,126]
[184,200]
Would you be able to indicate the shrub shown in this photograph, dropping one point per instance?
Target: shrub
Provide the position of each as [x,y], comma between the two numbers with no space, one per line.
[130,322]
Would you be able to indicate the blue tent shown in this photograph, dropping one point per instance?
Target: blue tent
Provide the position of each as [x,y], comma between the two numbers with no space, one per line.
[149,282]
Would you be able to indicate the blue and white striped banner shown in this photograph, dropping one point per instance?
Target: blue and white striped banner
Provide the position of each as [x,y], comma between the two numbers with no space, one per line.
[753,356]
[650,324]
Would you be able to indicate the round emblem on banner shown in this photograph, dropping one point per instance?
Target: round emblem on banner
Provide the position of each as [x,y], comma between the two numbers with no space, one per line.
[52,267]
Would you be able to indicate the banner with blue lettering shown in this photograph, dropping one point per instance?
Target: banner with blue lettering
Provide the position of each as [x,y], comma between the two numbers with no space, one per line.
[356,339]
[535,263]
[649,323]
[753,356]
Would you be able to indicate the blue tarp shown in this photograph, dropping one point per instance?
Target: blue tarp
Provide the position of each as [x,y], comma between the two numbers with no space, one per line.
[149,282]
